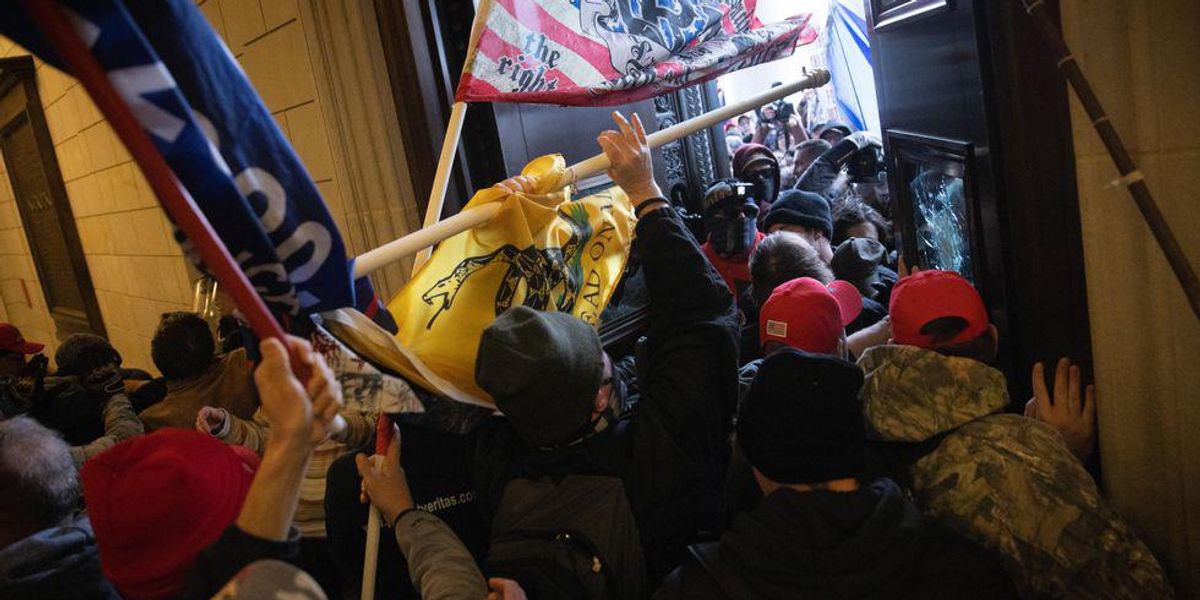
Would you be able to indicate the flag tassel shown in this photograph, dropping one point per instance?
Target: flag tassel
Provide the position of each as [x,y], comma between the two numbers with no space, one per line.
[408,245]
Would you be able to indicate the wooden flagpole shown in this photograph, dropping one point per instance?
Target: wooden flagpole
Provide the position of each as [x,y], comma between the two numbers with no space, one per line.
[1131,176]
[433,215]
[395,250]
[441,180]
[458,112]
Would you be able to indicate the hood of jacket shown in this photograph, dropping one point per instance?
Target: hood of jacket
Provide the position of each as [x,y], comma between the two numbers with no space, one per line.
[59,562]
[911,394]
[858,544]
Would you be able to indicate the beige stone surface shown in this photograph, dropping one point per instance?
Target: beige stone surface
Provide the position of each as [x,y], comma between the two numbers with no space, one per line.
[1143,58]
[137,268]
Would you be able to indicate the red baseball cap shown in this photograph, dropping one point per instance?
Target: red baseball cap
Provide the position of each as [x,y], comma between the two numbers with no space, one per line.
[805,314]
[156,501]
[11,340]
[929,295]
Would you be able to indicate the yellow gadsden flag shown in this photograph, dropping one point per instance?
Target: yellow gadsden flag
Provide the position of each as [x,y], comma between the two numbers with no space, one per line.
[542,250]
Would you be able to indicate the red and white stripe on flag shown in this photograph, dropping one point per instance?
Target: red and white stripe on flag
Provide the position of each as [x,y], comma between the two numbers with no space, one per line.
[609,52]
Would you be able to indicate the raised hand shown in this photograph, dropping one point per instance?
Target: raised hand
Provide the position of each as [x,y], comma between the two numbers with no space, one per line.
[210,419]
[902,268]
[296,413]
[1073,415]
[387,486]
[629,155]
[504,589]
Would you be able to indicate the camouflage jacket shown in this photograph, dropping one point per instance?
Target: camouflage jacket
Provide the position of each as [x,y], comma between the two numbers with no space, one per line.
[1006,482]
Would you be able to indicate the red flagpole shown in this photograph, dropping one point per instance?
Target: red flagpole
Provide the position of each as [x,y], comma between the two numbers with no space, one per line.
[67,43]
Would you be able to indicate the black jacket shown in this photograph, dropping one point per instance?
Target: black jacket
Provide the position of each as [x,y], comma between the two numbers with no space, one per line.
[68,408]
[671,448]
[232,552]
[872,313]
[871,543]
[820,176]
[55,563]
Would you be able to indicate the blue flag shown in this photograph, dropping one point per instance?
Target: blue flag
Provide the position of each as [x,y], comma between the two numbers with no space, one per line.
[849,58]
[191,96]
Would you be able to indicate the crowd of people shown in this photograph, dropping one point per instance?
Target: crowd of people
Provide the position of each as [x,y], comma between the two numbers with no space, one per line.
[803,418]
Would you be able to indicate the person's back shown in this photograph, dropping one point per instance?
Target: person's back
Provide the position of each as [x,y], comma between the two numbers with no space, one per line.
[47,549]
[1006,482]
[183,349]
[565,401]
[870,543]
[822,529]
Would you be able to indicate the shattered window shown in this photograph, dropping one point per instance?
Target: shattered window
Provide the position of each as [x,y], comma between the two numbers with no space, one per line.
[941,222]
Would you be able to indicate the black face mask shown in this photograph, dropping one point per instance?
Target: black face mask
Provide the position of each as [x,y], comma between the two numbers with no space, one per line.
[731,231]
[764,185]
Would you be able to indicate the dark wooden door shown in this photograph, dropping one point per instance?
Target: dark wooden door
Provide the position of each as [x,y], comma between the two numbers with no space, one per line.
[978,135]
[42,202]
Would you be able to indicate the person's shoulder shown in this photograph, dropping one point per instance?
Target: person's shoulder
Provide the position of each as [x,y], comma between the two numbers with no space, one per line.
[236,360]
[237,355]
[952,566]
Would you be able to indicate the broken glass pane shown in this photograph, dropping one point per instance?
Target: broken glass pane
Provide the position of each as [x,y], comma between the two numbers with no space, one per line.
[941,221]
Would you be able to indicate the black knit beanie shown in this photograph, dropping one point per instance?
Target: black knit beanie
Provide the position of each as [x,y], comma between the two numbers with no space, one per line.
[797,207]
[802,421]
[543,369]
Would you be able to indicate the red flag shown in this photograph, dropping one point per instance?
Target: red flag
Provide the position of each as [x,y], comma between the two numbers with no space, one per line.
[607,52]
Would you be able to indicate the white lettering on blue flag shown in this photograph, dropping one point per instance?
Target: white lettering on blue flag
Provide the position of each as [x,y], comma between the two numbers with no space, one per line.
[134,83]
[209,124]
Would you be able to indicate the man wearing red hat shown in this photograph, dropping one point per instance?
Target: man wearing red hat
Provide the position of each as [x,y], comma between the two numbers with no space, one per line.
[14,349]
[180,506]
[1009,483]
[803,314]
[807,315]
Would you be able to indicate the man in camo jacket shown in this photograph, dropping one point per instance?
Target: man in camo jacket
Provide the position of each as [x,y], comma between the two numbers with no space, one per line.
[1006,482]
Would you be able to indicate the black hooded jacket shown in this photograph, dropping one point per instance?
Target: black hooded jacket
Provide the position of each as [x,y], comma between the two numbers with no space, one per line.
[671,450]
[55,563]
[870,543]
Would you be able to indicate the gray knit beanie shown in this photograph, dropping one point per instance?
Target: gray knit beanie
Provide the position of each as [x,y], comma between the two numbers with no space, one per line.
[543,369]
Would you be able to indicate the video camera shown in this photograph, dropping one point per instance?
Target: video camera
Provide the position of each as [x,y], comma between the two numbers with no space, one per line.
[783,109]
[866,164]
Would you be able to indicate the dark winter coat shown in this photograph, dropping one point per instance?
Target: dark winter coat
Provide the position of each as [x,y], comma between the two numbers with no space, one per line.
[70,409]
[870,543]
[872,313]
[56,563]
[232,552]
[821,175]
[671,449]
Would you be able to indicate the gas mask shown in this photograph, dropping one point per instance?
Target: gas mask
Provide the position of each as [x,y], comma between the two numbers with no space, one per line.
[731,218]
[765,185]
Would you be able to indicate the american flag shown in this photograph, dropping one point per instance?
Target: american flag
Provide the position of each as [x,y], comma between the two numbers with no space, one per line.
[608,52]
